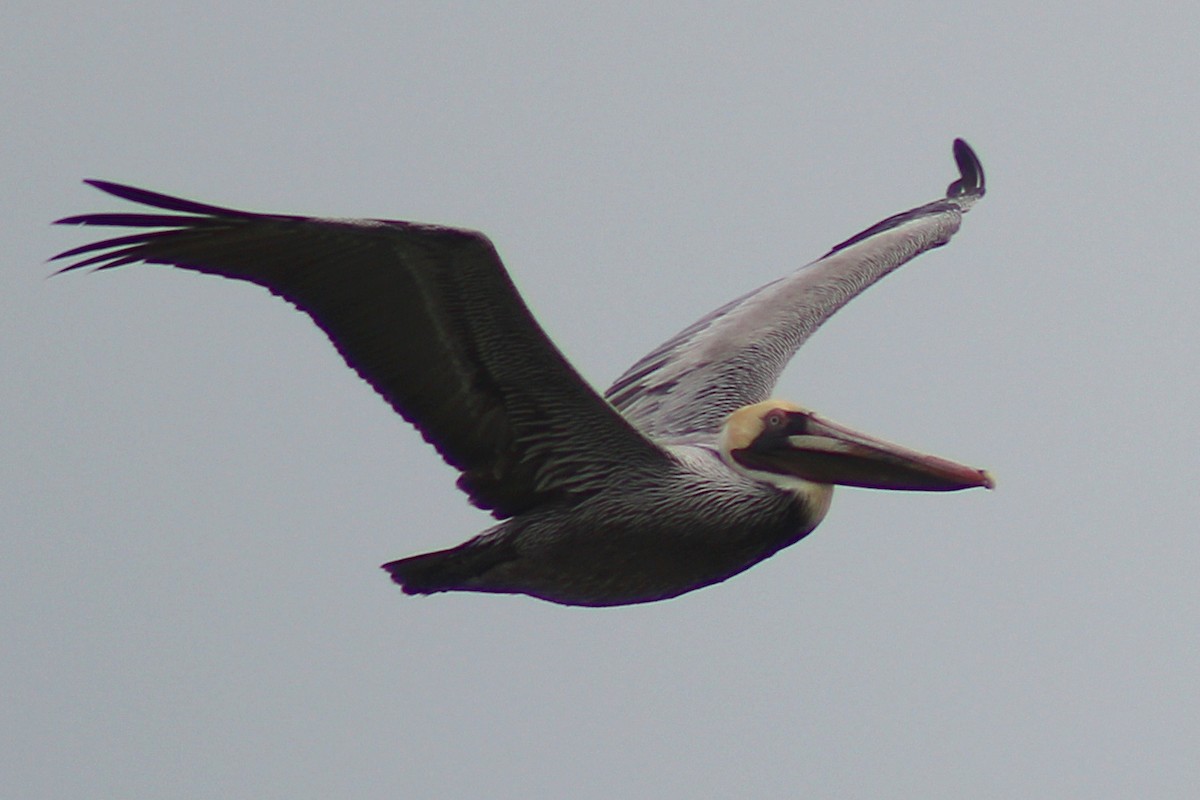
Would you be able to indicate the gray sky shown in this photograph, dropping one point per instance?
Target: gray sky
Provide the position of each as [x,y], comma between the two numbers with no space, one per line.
[195,492]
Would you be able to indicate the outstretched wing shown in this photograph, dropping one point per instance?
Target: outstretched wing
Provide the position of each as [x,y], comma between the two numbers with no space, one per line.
[734,356]
[428,316]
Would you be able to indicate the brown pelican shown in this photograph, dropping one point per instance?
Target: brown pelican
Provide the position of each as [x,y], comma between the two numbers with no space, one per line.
[683,474]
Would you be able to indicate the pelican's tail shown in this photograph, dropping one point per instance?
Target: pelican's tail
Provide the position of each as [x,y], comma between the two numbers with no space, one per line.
[446,570]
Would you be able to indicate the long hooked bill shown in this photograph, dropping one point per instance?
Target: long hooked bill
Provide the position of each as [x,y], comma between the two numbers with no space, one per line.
[825,452]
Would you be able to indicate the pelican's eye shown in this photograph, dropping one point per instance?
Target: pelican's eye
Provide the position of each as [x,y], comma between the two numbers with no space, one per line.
[781,422]
[776,421]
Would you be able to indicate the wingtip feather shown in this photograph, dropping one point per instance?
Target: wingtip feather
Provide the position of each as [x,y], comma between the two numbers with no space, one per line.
[165,201]
[970,170]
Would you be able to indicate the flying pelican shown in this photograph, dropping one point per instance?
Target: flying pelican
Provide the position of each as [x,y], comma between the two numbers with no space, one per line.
[683,474]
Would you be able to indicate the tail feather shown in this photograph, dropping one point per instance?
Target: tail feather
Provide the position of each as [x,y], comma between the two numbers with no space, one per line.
[446,570]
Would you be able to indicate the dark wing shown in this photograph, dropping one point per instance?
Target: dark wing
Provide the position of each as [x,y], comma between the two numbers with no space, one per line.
[429,317]
[734,356]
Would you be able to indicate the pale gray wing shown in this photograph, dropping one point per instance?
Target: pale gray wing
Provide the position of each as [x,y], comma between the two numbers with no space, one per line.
[734,356]
[429,317]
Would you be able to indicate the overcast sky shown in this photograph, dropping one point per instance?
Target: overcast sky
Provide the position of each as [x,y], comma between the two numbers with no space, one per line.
[196,493]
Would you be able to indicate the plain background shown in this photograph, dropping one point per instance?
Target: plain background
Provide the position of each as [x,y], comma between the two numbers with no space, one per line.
[195,492]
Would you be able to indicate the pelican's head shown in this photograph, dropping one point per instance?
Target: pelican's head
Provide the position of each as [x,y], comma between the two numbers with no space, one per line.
[792,448]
